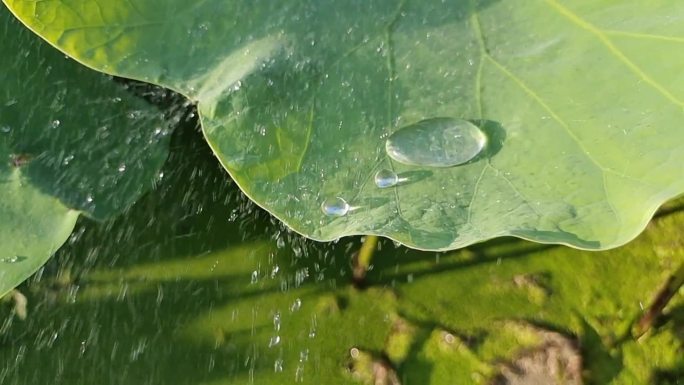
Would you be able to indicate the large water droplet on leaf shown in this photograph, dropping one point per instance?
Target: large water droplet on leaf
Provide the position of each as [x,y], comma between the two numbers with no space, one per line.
[436,142]
[335,207]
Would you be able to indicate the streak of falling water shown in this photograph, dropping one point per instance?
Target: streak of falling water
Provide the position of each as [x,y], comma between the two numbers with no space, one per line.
[276,321]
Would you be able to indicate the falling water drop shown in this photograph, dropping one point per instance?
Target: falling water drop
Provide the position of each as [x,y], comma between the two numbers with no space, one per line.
[299,373]
[386,178]
[296,305]
[278,365]
[67,159]
[275,271]
[335,207]
[276,322]
[275,340]
[436,142]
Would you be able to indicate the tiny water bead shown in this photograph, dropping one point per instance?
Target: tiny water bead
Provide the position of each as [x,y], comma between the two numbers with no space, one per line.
[335,207]
[436,142]
[386,178]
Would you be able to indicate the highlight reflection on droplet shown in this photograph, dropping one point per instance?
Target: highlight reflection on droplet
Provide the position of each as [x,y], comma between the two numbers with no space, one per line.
[386,178]
[335,207]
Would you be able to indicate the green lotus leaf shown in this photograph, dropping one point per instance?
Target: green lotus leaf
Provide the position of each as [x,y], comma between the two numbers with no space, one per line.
[581,104]
[71,141]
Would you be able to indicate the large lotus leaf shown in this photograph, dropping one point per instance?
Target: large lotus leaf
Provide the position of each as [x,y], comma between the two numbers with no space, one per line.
[71,141]
[581,101]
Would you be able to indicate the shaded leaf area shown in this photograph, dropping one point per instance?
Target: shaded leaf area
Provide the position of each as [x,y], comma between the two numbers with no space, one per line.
[71,141]
[581,104]
[205,288]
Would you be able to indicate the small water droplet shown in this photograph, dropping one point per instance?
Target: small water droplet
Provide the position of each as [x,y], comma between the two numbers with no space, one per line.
[312,328]
[275,340]
[135,114]
[5,129]
[299,373]
[386,178]
[296,305]
[67,159]
[436,142]
[122,167]
[55,123]
[278,365]
[237,85]
[304,355]
[335,207]
[276,322]
[13,259]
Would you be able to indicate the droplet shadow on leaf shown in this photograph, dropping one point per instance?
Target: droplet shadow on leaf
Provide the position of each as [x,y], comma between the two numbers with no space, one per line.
[496,136]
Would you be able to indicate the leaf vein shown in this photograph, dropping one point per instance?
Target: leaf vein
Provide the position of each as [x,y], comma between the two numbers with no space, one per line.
[563,124]
[601,35]
[475,191]
[639,35]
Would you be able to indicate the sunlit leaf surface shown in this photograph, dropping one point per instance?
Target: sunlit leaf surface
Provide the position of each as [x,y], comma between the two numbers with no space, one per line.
[581,103]
[71,141]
